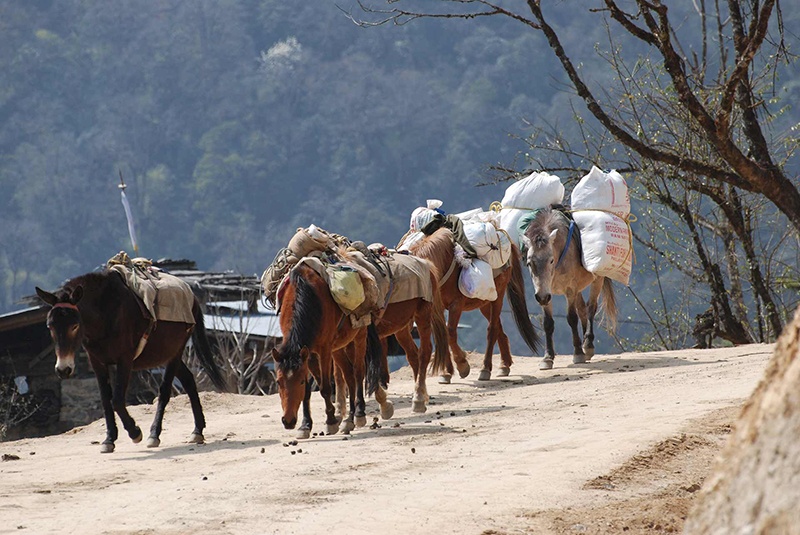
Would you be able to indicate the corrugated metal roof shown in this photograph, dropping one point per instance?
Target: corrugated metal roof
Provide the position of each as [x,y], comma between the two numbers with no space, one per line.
[266,325]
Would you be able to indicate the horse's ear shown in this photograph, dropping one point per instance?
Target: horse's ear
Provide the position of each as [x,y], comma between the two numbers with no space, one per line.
[77,293]
[47,297]
[553,234]
[304,353]
[276,356]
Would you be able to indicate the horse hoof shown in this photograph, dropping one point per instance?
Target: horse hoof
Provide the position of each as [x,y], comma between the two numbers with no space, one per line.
[485,375]
[137,438]
[418,406]
[504,371]
[589,352]
[387,410]
[303,434]
[463,369]
[332,429]
[197,438]
[444,379]
[578,359]
[153,442]
[546,363]
[361,421]
[107,447]
[346,427]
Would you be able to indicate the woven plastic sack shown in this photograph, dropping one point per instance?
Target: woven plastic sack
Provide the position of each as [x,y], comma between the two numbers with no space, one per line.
[410,239]
[424,214]
[482,236]
[535,191]
[500,253]
[602,191]
[605,244]
[476,281]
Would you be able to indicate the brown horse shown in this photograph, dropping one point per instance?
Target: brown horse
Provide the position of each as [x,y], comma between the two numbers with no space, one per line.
[553,244]
[438,248]
[316,333]
[99,311]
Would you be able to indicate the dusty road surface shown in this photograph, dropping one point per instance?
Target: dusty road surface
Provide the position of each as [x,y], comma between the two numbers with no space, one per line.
[619,445]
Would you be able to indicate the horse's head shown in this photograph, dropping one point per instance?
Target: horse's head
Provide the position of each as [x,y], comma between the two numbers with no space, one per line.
[66,329]
[292,376]
[540,257]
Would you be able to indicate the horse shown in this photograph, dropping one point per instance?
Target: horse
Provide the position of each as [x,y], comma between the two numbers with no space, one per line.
[439,249]
[316,333]
[553,257]
[99,311]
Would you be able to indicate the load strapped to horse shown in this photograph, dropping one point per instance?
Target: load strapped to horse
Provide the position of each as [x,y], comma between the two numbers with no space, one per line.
[337,300]
[564,262]
[480,263]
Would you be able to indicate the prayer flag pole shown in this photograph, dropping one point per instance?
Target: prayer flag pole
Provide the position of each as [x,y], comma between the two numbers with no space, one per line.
[128,214]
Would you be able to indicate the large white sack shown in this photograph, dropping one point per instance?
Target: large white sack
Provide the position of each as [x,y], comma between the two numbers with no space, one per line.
[602,191]
[499,255]
[531,193]
[482,236]
[476,281]
[469,215]
[605,244]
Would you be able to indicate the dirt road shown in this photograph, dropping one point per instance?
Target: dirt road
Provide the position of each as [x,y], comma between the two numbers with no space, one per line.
[617,445]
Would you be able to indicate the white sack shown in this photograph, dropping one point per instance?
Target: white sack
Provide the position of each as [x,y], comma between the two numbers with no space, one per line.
[410,240]
[605,244]
[602,191]
[476,281]
[531,193]
[499,255]
[482,236]
[424,214]
[469,215]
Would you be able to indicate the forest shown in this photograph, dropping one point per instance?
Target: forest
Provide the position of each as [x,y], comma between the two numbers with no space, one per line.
[235,122]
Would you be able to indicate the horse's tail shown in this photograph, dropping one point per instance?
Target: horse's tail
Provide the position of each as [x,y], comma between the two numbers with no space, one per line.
[441,354]
[609,305]
[519,305]
[375,356]
[203,350]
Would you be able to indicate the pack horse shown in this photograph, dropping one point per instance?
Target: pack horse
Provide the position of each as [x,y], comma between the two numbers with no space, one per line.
[100,312]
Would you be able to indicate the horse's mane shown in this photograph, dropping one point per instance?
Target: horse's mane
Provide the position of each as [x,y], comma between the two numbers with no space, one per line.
[306,319]
[438,248]
[547,219]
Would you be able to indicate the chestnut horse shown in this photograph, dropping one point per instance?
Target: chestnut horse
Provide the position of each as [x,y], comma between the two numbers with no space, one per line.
[553,246]
[316,333]
[99,311]
[439,249]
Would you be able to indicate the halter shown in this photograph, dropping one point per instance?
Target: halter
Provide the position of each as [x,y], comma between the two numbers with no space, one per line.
[569,239]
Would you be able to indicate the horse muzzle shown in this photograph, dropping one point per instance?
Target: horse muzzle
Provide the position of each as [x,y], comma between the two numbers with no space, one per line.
[289,424]
[64,372]
[543,299]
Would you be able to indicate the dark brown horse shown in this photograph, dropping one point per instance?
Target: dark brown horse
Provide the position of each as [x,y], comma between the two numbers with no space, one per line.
[316,333]
[553,256]
[438,248]
[99,311]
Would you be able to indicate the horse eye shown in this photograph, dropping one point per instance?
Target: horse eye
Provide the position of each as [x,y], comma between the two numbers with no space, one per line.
[551,260]
[75,328]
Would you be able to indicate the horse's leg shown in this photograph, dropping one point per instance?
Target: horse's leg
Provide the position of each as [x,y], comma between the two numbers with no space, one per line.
[458,354]
[491,311]
[344,364]
[118,401]
[588,337]
[419,400]
[322,368]
[359,372]
[505,348]
[387,407]
[549,326]
[186,378]
[580,305]
[578,357]
[103,382]
[305,427]
[164,393]
[341,394]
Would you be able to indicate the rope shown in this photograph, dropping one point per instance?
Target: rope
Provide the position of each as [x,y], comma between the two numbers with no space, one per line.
[569,239]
